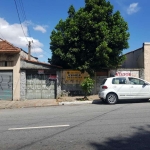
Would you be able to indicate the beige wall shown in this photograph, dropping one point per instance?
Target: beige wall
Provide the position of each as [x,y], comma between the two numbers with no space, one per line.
[147,61]
[16,73]
[134,59]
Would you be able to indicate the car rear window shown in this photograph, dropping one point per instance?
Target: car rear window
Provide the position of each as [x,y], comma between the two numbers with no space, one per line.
[119,80]
[103,81]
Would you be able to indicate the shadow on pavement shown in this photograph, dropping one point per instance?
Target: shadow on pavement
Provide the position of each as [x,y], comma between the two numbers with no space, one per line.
[97,101]
[132,101]
[100,102]
[138,141]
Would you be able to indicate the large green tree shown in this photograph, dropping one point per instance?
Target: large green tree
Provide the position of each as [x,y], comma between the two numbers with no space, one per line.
[91,38]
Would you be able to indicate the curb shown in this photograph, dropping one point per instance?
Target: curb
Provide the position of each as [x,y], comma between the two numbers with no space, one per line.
[75,103]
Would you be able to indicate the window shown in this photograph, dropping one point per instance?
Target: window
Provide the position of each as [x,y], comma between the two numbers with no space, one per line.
[2,63]
[136,81]
[119,80]
[6,63]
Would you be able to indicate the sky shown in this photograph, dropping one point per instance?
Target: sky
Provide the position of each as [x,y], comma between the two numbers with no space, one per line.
[22,21]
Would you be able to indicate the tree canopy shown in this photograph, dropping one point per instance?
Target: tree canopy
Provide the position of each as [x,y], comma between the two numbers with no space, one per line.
[91,38]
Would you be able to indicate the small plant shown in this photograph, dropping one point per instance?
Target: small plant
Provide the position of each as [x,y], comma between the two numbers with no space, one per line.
[87,86]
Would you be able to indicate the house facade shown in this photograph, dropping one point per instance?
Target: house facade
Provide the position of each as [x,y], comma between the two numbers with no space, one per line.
[9,71]
[21,78]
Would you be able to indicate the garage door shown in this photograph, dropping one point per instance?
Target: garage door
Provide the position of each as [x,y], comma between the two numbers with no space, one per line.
[6,84]
[40,87]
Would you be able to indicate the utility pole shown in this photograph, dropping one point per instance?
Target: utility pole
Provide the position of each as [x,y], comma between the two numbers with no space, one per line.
[29,50]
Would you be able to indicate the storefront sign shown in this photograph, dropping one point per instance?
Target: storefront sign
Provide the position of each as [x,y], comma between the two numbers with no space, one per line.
[127,73]
[123,73]
[73,77]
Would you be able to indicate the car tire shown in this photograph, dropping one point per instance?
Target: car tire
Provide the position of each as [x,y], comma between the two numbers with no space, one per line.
[111,98]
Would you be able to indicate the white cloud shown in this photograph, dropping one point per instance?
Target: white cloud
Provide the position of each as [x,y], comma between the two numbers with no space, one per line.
[13,33]
[133,8]
[36,50]
[40,56]
[40,28]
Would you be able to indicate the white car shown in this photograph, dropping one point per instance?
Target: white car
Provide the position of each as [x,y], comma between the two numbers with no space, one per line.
[115,88]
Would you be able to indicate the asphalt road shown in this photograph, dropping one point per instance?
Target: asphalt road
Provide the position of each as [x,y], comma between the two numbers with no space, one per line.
[124,126]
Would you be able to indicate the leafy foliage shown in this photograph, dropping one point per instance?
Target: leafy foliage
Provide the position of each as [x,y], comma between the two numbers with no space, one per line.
[89,39]
[87,86]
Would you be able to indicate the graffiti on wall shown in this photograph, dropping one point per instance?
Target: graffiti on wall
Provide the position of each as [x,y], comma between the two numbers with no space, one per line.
[39,86]
[39,82]
[6,86]
[23,85]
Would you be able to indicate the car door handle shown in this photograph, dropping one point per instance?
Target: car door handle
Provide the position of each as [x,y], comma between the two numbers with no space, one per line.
[131,86]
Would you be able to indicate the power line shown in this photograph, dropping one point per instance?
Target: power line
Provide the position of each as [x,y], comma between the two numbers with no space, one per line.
[20,5]
[22,9]
[23,13]
[20,20]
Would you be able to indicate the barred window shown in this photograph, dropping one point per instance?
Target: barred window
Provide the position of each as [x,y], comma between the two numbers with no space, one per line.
[2,63]
[6,63]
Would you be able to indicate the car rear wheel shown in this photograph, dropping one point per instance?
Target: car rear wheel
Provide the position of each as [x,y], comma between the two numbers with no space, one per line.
[111,98]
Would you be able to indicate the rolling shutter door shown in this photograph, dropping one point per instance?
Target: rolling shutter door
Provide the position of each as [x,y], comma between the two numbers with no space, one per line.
[6,84]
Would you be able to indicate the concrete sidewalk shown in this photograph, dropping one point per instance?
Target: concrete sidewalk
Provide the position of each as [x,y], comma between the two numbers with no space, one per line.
[4,104]
[27,103]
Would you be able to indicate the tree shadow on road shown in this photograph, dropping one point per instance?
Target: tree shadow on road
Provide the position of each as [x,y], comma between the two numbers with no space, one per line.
[139,141]
[100,102]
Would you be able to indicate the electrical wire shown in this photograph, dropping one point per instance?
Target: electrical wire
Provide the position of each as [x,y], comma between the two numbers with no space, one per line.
[20,20]
[22,9]
[20,5]
[23,14]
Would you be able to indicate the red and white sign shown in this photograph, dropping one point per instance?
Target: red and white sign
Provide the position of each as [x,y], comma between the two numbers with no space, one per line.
[128,73]
[123,73]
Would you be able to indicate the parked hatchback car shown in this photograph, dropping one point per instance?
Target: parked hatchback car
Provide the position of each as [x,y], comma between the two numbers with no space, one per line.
[115,88]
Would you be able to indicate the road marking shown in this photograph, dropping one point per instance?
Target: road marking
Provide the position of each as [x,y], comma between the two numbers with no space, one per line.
[40,127]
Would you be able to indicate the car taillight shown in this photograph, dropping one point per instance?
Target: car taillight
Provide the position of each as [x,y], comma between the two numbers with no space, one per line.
[104,87]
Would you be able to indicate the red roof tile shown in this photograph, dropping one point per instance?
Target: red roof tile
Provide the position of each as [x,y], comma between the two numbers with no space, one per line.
[6,47]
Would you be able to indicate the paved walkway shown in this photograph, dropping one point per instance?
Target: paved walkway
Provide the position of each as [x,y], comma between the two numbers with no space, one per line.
[43,103]
[27,103]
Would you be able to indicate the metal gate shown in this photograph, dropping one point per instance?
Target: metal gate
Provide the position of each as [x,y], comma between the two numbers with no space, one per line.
[39,86]
[6,84]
